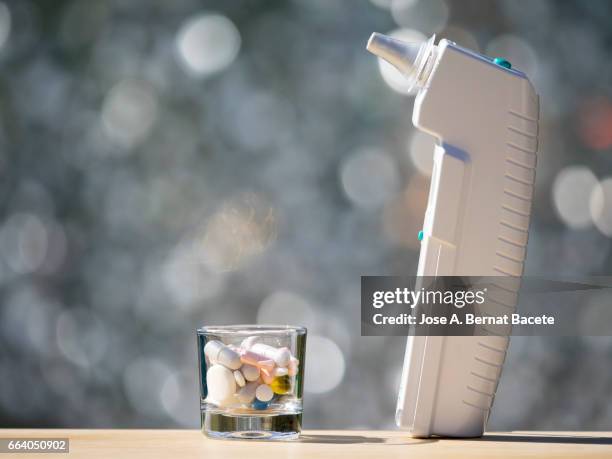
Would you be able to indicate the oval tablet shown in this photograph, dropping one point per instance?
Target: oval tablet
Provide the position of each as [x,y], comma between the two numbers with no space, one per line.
[220,383]
[239,378]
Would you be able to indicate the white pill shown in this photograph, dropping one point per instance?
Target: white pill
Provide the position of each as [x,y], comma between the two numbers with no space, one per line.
[264,393]
[293,366]
[229,358]
[247,393]
[220,383]
[250,372]
[217,352]
[281,356]
[212,349]
[239,378]
[247,343]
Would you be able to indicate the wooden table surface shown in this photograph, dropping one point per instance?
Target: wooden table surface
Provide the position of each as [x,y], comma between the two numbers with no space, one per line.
[183,444]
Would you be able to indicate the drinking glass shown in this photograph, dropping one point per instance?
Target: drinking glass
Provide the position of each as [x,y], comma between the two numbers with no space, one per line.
[251,381]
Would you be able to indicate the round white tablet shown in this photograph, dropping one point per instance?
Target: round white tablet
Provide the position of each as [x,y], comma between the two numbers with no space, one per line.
[264,393]
[250,372]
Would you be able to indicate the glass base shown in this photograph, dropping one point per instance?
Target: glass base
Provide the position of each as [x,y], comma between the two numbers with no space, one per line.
[277,426]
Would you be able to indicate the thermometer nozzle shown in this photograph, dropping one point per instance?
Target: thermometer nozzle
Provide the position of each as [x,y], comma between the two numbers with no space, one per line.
[408,58]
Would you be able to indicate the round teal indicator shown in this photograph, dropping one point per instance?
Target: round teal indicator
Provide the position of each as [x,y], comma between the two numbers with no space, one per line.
[502,62]
[420,236]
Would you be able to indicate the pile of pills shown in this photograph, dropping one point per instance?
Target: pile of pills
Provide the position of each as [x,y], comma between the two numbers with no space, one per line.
[251,374]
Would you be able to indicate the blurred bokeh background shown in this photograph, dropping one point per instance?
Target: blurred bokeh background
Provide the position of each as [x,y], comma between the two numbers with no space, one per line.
[168,164]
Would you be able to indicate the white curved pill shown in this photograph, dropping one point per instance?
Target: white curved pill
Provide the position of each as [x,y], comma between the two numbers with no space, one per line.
[281,356]
[250,372]
[247,393]
[220,383]
[247,343]
[239,378]
[293,366]
[264,393]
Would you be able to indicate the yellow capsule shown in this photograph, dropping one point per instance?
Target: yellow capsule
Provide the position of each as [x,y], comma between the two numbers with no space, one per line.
[281,385]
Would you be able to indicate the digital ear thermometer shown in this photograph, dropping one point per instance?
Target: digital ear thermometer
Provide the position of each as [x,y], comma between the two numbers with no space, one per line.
[484,115]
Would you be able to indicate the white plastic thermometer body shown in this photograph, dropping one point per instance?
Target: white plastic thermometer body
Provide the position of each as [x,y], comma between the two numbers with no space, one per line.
[485,119]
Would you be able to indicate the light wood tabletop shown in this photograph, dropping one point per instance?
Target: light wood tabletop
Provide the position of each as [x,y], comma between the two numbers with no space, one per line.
[183,444]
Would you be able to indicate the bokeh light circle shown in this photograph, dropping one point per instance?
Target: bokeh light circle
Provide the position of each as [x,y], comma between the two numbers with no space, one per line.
[81,337]
[144,380]
[188,280]
[429,16]
[600,205]
[325,365]
[207,44]
[24,242]
[129,112]
[571,192]
[421,148]
[462,37]
[369,178]
[286,308]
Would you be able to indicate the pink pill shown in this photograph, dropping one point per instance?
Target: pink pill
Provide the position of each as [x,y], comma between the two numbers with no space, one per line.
[261,362]
[267,376]
[281,356]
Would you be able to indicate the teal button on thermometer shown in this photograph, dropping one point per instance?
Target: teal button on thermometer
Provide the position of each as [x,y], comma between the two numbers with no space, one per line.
[420,236]
[502,62]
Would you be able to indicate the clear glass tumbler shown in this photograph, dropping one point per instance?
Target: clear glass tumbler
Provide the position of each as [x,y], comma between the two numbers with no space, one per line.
[251,381]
